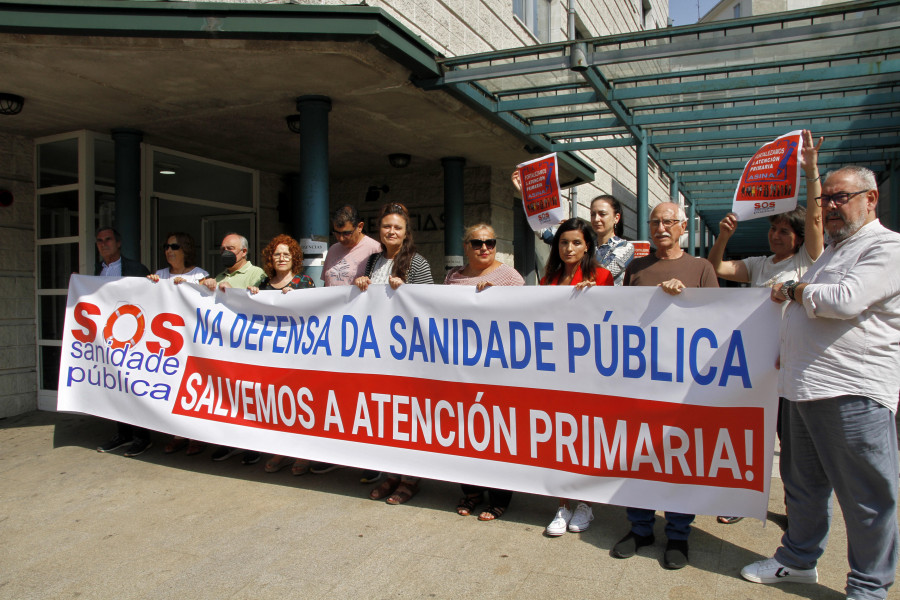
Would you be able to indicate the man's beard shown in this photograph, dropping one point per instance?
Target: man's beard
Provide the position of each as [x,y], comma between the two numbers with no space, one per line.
[848,229]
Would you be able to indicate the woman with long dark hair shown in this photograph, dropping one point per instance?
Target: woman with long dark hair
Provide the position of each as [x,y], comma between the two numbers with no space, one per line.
[397,263]
[573,261]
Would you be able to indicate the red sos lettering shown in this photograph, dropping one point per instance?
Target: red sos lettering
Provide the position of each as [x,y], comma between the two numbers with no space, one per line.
[764,205]
[161,327]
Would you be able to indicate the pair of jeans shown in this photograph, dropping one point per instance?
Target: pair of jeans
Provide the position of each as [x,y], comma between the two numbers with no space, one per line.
[678,525]
[847,444]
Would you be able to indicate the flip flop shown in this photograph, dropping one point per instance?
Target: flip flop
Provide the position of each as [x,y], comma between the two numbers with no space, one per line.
[403,493]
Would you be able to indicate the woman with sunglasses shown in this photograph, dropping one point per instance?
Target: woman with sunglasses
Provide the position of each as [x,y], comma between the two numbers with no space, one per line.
[573,261]
[398,263]
[482,269]
[181,255]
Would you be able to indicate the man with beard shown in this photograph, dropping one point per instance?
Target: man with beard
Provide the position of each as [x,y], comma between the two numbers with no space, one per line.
[672,269]
[840,372]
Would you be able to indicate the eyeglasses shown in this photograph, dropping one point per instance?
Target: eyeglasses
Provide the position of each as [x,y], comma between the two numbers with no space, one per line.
[667,223]
[839,199]
[342,234]
[477,244]
[172,246]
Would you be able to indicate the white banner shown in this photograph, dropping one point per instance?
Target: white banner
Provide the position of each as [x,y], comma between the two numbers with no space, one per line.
[618,395]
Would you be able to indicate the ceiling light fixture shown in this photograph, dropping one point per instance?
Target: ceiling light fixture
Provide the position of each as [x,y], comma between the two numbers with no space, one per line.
[10,104]
[293,123]
[399,161]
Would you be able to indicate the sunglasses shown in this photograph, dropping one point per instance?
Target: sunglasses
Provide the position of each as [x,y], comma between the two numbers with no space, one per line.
[477,244]
[172,246]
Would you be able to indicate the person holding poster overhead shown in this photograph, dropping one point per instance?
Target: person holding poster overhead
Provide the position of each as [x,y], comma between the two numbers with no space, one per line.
[796,239]
[398,263]
[788,233]
[572,261]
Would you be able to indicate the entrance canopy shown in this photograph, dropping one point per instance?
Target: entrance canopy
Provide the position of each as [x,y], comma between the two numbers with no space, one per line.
[705,97]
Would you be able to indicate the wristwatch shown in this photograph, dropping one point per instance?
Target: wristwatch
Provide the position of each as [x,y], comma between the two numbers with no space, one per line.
[788,289]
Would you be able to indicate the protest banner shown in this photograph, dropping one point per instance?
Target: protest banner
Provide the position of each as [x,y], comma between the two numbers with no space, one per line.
[540,192]
[620,395]
[770,182]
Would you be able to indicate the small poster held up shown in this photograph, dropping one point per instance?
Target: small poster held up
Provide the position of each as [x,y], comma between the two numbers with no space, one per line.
[770,182]
[540,192]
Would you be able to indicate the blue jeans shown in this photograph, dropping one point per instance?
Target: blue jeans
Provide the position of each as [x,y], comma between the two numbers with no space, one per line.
[678,525]
[846,444]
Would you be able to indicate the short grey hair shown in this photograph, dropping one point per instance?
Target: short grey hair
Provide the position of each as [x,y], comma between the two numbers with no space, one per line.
[245,245]
[865,177]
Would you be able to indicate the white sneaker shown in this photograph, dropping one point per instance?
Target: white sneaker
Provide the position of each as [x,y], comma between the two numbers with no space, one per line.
[581,518]
[772,571]
[559,523]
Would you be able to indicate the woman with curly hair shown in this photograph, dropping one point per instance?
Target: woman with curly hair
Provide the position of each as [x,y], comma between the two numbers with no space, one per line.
[282,262]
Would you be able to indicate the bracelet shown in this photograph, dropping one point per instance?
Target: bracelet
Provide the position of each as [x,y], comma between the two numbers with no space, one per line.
[812,180]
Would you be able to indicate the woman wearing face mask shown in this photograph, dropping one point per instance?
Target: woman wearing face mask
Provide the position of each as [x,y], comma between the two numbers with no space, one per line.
[573,261]
[397,264]
[181,256]
[482,270]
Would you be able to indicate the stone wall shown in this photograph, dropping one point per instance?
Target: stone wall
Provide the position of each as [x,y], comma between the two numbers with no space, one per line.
[18,373]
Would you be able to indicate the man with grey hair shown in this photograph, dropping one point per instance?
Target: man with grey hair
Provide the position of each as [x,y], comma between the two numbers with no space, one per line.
[840,372]
[672,269]
[239,273]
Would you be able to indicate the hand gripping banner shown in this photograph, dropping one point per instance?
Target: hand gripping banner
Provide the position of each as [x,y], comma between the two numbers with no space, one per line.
[626,396]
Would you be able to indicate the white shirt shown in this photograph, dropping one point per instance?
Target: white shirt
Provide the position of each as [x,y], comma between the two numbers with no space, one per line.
[764,272]
[192,276]
[113,269]
[845,339]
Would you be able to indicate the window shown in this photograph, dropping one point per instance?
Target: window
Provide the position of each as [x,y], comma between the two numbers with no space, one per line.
[737,10]
[535,15]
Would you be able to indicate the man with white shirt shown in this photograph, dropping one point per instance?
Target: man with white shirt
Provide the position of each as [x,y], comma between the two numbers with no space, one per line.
[113,264]
[840,371]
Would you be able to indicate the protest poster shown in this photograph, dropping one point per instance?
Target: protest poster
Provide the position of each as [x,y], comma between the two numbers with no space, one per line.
[641,248]
[770,182]
[540,192]
[626,396]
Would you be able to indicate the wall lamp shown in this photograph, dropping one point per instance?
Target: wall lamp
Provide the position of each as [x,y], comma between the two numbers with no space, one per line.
[399,161]
[374,192]
[293,123]
[10,104]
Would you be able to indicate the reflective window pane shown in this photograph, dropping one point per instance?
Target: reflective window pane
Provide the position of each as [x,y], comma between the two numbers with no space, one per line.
[58,215]
[104,163]
[55,264]
[53,315]
[195,179]
[58,163]
[50,367]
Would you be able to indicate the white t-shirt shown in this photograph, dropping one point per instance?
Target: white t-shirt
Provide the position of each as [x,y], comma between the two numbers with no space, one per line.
[342,266]
[766,273]
[192,276]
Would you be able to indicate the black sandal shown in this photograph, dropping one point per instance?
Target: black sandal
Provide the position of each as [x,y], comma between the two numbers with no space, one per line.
[495,512]
[468,503]
[728,520]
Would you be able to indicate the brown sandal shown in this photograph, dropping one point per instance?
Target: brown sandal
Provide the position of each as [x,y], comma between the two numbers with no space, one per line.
[195,447]
[492,513]
[468,503]
[403,493]
[176,444]
[386,488]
